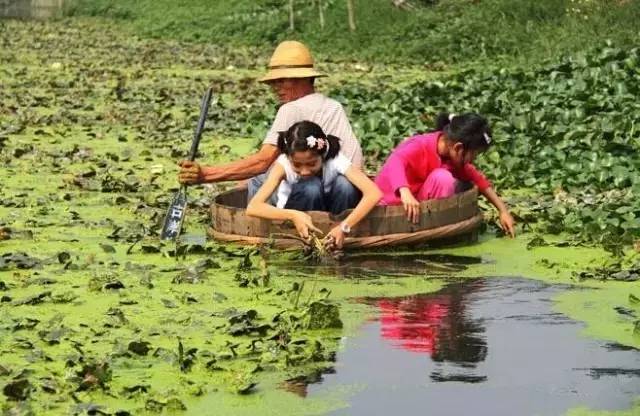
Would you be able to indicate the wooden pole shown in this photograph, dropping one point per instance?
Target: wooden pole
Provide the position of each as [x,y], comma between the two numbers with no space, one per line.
[321,13]
[292,25]
[352,19]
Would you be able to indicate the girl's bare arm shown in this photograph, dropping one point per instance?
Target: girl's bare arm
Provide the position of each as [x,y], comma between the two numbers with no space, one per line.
[506,220]
[371,195]
[259,207]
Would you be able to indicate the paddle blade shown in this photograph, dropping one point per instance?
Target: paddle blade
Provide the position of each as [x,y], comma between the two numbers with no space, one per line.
[175,216]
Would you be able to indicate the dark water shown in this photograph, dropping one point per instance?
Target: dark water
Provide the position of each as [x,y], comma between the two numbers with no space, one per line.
[374,265]
[486,346]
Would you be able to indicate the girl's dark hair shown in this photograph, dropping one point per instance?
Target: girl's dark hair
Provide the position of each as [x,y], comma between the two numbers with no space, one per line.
[296,139]
[470,129]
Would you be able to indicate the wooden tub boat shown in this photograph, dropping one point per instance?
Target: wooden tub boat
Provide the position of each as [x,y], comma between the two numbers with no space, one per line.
[385,226]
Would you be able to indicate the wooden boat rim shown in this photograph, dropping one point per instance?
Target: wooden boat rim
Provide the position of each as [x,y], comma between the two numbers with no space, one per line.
[384,226]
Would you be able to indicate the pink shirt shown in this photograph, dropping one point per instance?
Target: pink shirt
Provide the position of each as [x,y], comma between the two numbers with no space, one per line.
[412,161]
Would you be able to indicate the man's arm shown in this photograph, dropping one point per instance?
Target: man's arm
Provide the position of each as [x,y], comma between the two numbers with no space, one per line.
[241,169]
[257,163]
[246,168]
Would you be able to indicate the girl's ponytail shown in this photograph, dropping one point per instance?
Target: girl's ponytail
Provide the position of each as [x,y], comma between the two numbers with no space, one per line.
[443,120]
[282,142]
[334,147]
[470,129]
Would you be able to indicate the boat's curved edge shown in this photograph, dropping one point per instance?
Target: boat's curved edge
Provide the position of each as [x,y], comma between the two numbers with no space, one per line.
[228,217]
[389,240]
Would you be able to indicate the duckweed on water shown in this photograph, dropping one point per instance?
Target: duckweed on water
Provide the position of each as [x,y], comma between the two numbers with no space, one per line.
[98,316]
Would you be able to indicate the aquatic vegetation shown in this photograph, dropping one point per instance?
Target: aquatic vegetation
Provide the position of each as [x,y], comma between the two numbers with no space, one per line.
[564,157]
[317,250]
[566,136]
[614,271]
[492,31]
[99,316]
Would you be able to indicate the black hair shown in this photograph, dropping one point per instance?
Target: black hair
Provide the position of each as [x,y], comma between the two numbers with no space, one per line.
[296,139]
[470,129]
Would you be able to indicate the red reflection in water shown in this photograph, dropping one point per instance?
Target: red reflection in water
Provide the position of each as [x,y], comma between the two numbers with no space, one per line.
[414,323]
[437,324]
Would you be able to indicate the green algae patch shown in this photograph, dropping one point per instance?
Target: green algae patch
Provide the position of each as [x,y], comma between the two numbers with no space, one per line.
[515,257]
[159,335]
[276,397]
[582,411]
[97,315]
[609,309]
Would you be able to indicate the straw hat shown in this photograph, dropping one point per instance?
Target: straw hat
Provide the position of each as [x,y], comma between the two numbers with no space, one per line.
[291,59]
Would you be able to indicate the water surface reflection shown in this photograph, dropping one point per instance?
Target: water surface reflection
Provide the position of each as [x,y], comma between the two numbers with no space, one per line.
[377,264]
[492,346]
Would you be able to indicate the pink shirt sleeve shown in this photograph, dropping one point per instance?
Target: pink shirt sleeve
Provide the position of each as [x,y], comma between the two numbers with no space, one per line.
[470,173]
[402,161]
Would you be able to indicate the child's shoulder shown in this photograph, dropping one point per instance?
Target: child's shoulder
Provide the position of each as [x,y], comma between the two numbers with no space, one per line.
[421,140]
[283,159]
[340,158]
[340,162]
[426,137]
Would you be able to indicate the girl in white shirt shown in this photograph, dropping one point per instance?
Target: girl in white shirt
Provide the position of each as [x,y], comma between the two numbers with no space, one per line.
[307,177]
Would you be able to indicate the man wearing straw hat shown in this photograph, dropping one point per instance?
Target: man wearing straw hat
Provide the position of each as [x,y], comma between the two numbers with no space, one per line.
[291,75]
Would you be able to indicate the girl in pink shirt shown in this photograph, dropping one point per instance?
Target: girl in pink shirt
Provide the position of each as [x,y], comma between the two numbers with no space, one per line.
[432,165]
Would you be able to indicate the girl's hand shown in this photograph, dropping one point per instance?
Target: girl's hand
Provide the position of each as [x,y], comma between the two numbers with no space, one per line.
[507,223]
[190,172]
[304,224]
[411,205]
[506,220]
[335,239]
